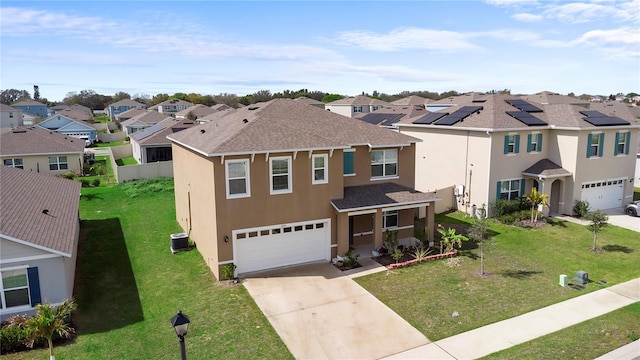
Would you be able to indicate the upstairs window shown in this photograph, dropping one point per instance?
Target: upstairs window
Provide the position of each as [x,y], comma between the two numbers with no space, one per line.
[280,175]
[622,143]
[534,143]
[347,168]
[320,169]
[16,163]
[384,163]
[357,109]
[237,173]
[58,163]
[594,145]
[512,144]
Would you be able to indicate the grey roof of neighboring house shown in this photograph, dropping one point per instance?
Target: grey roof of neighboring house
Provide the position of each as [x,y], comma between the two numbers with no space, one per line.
[547,97]
[391,114]
[309,101]
[129,114]
[36,140]
[380,195]
[24,197]
[358,100]
[216,115]
[27,102]
[198,110]
[220,107]
[410,100]
[148,117]
[493,114]
[157,134]
[127,102]
[546,168]
[75,114]
[5,107]
[284,125]
[174,102]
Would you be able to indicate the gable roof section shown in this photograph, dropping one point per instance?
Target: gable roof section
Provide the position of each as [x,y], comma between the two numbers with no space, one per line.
[157,134]
[147,117]
[129,114]
[198,110]
[24,196]
[380,195]
[358,100]
[34,140]
[284,125]
[410,100]
[546,168]
[27,102]
[127,102]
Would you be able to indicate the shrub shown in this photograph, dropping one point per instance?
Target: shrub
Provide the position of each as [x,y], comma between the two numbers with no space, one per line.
[229,271]
[515,217]
[504,207]
[68,175]
[95,182]
[12,338]
[581,208]
[85,182]
[351,259]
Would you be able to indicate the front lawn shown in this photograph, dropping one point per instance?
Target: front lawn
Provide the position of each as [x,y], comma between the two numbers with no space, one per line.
[129,285]
[130,160]
[525,265]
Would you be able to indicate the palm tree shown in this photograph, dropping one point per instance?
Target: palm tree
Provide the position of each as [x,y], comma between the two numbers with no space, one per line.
[450,239]
[48,321]
[536,198]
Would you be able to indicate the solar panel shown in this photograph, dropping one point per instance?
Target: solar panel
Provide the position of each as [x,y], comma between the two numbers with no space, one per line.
[523,105]
[526,118]
[458,115]
[381,118]
[596,118]
[429,118]
[591,113]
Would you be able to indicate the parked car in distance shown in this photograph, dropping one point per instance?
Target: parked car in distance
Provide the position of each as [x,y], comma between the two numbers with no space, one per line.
[633,209]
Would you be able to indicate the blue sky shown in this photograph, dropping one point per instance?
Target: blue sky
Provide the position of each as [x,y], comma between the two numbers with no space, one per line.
[212,47]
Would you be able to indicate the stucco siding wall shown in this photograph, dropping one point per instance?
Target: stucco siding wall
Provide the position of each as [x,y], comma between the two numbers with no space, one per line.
[342,110]
[40,163]
[362,167]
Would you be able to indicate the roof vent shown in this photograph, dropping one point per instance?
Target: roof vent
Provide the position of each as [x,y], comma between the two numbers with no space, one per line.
[245,121]
[45,211]
[201,131]
[253,107]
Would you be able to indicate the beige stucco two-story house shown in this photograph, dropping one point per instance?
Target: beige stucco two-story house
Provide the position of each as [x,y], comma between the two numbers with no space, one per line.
[351,106]
[501,146]
[282,183]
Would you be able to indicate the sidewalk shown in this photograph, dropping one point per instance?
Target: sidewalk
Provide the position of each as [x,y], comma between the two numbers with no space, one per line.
[507,333]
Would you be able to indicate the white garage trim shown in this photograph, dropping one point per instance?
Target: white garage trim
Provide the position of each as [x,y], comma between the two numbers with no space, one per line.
[604,194]
[268,247]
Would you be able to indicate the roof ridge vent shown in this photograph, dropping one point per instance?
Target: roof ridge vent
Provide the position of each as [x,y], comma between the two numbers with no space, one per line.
[253,107]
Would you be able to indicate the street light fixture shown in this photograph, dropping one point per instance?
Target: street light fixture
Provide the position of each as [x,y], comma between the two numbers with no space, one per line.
[180,323]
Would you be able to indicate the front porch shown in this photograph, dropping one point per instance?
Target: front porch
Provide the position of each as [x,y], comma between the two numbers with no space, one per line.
[366,212]
[550,179]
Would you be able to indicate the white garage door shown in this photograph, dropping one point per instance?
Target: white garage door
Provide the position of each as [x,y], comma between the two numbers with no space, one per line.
[605,194]
[281,245]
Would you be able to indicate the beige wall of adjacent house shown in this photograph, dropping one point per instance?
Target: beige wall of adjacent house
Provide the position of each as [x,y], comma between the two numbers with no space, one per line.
[340,109]
[40,163]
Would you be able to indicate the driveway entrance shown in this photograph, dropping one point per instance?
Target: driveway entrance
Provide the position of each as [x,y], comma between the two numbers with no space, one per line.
[321,314]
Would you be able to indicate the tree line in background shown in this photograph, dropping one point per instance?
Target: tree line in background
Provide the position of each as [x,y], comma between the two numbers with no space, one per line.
[95,101]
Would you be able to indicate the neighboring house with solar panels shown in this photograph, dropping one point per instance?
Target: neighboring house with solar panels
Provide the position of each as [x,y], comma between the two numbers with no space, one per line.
[39,235]
[483,148]
[39,150]
[66,125]
[352,106]
[10,117]
[151,144]
[282,183]
[389,115]
[31,107]
[121,106]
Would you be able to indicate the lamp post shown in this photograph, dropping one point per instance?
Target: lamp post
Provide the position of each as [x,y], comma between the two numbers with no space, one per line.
[180,323]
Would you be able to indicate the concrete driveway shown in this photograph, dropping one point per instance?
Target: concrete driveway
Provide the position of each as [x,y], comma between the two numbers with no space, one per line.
[321,314]
[617,217]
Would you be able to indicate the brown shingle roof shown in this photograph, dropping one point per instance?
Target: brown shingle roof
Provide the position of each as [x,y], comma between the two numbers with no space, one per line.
[284,125]
[358,100]
[546,168]
[147,117]
[380,195]
[26,102]
[157,134]
[35,140]
[410,100]
[198,110]
[23,197]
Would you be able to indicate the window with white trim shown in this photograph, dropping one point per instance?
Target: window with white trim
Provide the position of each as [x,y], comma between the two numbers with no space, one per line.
[357,109]
[320,169]
[237,177]
[280,175]
[384,163]
[390,219]
[16,163]
[511,144]
[510,189]
[595,141]
[58,163]
[15,288]
[535,142]
[622,143]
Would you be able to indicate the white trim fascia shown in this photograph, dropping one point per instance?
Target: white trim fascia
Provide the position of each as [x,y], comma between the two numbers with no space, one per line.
[394,228]
[546,176]
[362,212]
[378,178]
[28,258]
[24,242]
[405,207]
[383,207]
[334,245]
[286,151]
[15,268]
[188,147]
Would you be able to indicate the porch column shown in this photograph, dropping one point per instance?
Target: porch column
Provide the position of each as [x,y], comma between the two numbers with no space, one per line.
[342,233]
[430,221]
[378,235]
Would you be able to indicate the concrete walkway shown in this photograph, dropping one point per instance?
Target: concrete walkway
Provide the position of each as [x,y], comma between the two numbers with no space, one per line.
[507,333]
[320,313]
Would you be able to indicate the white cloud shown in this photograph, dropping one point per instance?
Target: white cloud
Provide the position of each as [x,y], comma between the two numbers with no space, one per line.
[617,43]
[527,17]
[511,2]
[407,38]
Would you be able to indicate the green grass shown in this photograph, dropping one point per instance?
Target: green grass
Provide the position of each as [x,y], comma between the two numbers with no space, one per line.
[129,285]
[102,118]
[525,265]
[109,144]
[587,340]
[127,161]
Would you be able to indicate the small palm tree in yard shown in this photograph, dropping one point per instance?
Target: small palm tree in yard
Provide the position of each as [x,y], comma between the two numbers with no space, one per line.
[598,219]
[450,239]
[536,199]
[48,321]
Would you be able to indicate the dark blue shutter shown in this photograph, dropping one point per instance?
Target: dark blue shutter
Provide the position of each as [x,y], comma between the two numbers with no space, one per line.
[522,184]
[589,139]
[615,144]
[529,144]
[506,144]
[348,163]
[540,142]
[627,144]
[601,145]
[517,140]
[498,190]
[34,286]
